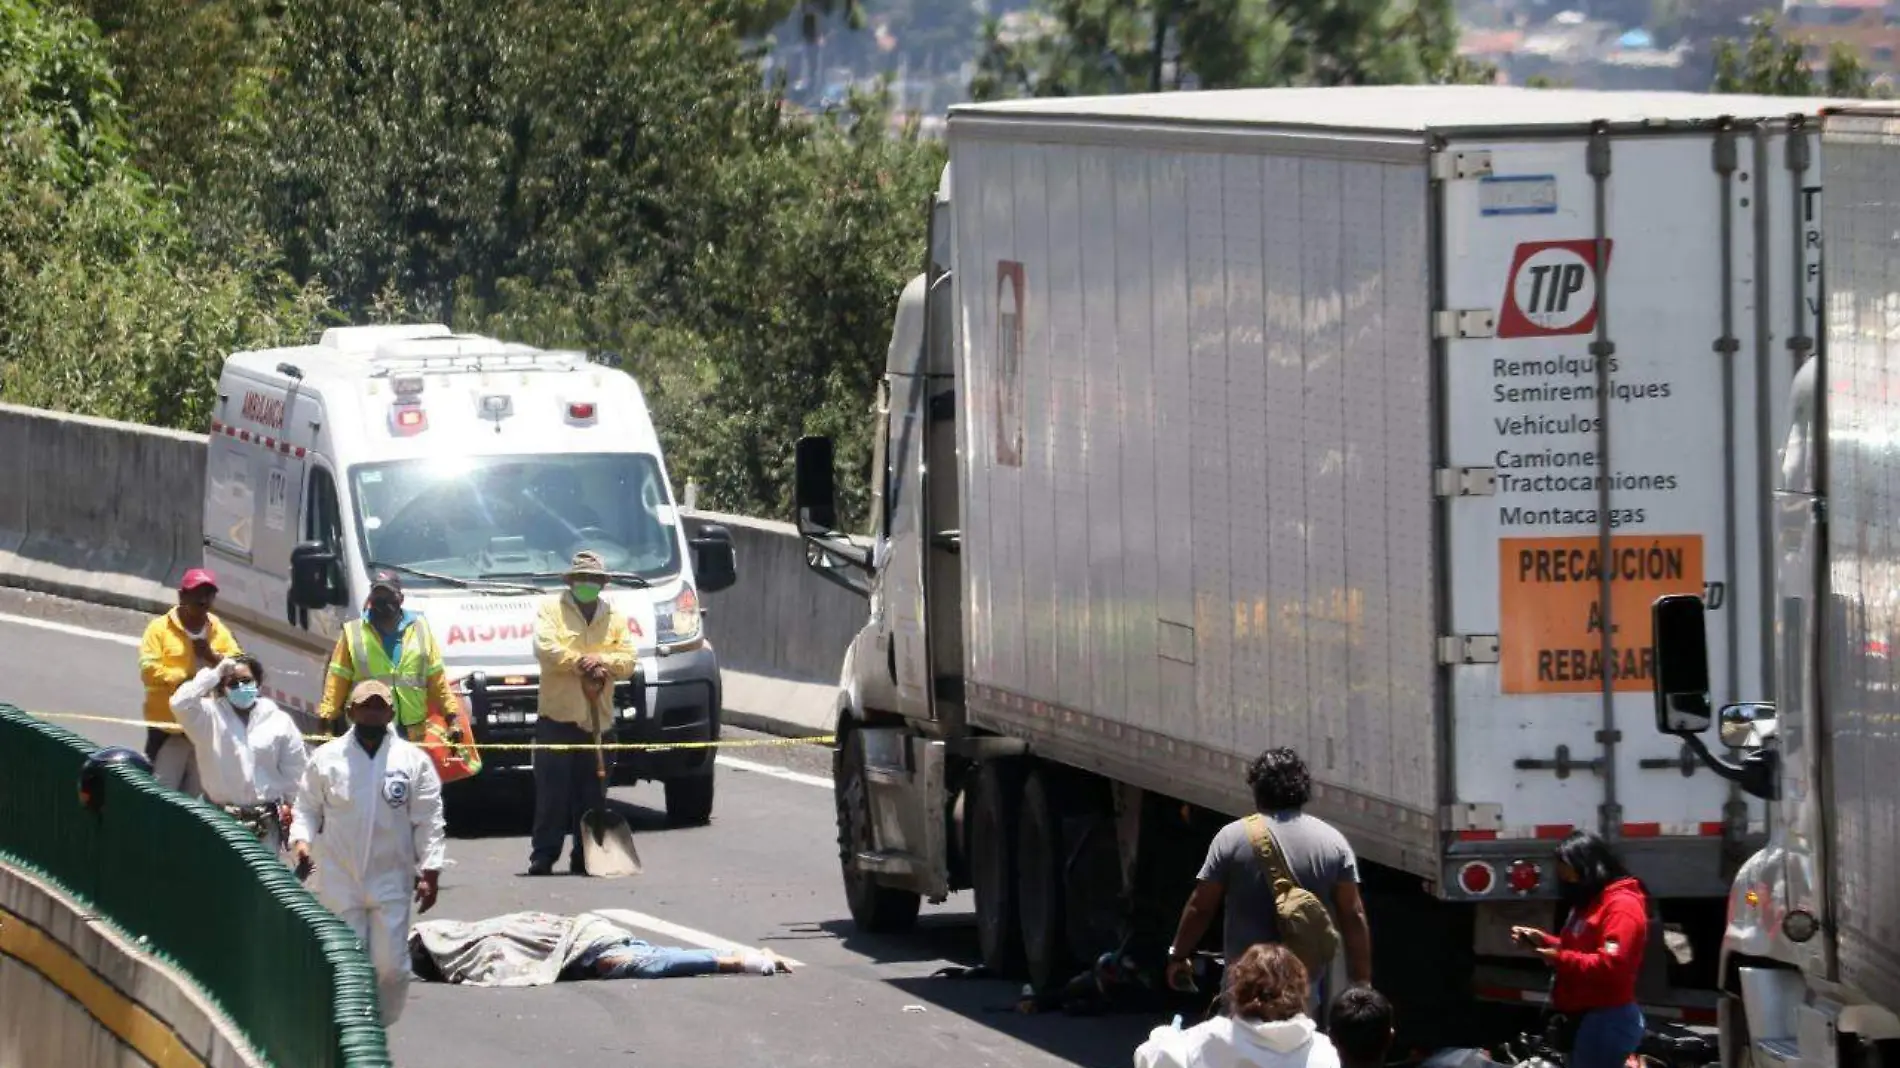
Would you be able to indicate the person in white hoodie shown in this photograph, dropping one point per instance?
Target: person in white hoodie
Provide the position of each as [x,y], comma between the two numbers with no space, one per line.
[1269,1027]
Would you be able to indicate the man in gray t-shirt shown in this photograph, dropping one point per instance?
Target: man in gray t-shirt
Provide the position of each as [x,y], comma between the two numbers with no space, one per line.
[1234,879]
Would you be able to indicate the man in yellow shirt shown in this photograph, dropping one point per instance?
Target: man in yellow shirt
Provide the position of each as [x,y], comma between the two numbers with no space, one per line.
[584,647]
[175,646]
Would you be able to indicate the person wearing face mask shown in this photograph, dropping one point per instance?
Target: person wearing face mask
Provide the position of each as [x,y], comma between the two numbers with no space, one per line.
[583,645]
[250,755]
[1598,956]
[175,646]
[395,647]
[369,825]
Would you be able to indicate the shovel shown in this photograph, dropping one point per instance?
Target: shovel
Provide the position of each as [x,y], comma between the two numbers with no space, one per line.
[607,850]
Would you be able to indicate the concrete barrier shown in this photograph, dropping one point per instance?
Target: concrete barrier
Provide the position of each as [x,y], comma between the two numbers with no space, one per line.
[112,512]
[77,993]
[96,509]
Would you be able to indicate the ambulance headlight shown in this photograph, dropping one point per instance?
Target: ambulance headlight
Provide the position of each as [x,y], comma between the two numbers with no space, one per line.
[677,620]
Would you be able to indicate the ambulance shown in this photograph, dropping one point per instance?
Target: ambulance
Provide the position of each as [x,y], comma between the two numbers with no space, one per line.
[474,468]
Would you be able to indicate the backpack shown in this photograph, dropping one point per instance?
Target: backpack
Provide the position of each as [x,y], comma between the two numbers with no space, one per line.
[1306,928]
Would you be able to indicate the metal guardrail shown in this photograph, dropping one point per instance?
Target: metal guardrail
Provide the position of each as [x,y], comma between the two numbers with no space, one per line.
[199,891]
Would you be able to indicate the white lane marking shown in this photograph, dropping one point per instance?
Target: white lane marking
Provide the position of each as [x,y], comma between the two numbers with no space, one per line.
[734,763]
[775,772]
[68,628]
[686,935]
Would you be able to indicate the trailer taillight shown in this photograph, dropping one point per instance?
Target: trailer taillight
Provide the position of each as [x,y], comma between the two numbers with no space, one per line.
[1525,877]
[1477,878]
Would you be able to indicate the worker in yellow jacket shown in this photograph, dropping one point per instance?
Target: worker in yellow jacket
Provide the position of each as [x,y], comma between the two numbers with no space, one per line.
[175,647]
[395,647]
[584,646]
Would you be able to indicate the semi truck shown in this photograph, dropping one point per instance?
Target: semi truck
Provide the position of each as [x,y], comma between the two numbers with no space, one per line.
[1810,964]
[1366,421]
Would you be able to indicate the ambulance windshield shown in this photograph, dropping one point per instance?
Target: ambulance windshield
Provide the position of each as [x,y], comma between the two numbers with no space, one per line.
[517,517]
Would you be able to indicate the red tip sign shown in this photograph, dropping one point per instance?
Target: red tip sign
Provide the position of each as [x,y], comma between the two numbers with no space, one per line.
[1551,290]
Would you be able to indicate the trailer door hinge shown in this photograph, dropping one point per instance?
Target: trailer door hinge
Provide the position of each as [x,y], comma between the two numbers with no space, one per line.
[1468,649]
[1452,166]
[1466,481]
[1478,322]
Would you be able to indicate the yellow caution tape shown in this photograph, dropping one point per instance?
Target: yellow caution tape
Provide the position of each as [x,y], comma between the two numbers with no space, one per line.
[734,743]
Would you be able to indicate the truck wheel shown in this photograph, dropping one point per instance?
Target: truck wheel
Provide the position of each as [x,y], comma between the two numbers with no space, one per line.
[1040,892]
[993,864]
[875,909]
[689,802]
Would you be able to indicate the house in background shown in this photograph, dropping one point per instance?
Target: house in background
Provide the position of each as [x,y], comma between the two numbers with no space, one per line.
[1870,28]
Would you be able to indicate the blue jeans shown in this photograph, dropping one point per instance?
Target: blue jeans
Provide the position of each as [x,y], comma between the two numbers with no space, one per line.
[1606,1037]
[634,959]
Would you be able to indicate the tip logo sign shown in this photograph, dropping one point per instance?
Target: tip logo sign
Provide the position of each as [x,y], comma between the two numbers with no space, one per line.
[1551,290]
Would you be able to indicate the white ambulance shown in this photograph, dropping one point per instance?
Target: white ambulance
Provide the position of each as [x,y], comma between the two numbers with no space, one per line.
[476,469]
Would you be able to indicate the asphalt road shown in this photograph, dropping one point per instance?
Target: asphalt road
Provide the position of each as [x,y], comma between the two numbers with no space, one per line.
[764,873]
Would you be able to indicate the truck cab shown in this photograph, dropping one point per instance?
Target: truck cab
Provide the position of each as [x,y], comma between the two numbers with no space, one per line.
[475,469]
[1810,960]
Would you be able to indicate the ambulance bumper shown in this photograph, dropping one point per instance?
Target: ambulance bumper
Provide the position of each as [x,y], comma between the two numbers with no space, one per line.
[674,711]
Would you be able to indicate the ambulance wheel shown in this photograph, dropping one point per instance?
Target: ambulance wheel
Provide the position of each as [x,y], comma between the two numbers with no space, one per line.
[689,802]
[1040,894]
[875,909]
[992,818]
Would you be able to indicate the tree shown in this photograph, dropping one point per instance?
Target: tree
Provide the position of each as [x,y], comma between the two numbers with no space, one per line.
[1770,65]
[106,306]
[1108,46]
[653,199]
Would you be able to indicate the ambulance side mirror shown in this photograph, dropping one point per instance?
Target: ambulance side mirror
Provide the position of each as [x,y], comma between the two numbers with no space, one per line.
[312,567]
[715,562]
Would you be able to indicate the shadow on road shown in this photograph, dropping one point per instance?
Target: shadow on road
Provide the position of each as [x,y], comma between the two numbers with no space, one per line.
[504,808]
[1104,1039]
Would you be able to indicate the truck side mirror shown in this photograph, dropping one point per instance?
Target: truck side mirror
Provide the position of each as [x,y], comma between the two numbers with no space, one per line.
[815,492]
[715,562]
[311,565]
[1743,725]
[1681,654]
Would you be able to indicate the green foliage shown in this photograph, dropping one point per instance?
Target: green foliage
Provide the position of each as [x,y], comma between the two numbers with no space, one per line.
[1770,65]
[1111,46]
[653,200]
[106,307]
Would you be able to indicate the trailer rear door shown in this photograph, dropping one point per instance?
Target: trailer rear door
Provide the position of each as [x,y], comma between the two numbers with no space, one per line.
[1592,300]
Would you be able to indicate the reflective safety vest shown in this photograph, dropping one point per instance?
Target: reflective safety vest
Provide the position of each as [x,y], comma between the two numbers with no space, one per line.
[408,678]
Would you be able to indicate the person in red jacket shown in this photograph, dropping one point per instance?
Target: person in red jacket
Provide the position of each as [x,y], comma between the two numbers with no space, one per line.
[1599,953]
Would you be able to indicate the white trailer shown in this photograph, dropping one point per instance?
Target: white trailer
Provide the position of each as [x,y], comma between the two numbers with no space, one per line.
[1303,417]
[1810,966]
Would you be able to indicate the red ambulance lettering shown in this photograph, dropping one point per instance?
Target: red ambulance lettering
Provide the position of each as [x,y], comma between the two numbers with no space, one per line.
[482,634]
[269,411]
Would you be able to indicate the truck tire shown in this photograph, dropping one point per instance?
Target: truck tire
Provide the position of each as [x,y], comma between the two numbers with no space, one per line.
[993,864]
[875,909]
[1041,896]
[689,802]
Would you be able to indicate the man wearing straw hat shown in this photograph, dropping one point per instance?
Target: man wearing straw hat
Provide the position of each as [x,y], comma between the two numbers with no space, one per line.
[583,645]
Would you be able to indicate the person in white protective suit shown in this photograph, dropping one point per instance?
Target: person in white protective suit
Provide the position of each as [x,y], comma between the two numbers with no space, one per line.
[369,822]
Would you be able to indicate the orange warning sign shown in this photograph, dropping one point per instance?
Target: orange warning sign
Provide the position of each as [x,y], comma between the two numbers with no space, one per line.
[1550,611]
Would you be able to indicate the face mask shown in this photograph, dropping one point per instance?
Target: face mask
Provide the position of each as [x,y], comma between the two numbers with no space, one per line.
[385,610]
[371,736]
[586,592]
[243,695]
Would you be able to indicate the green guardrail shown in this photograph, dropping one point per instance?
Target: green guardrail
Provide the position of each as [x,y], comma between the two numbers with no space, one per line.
[201,890]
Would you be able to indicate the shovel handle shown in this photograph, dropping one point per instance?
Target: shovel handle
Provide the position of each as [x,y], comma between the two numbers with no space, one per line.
[600,754]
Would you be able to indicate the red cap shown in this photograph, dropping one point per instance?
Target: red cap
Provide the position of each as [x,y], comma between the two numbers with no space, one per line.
[197,577]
